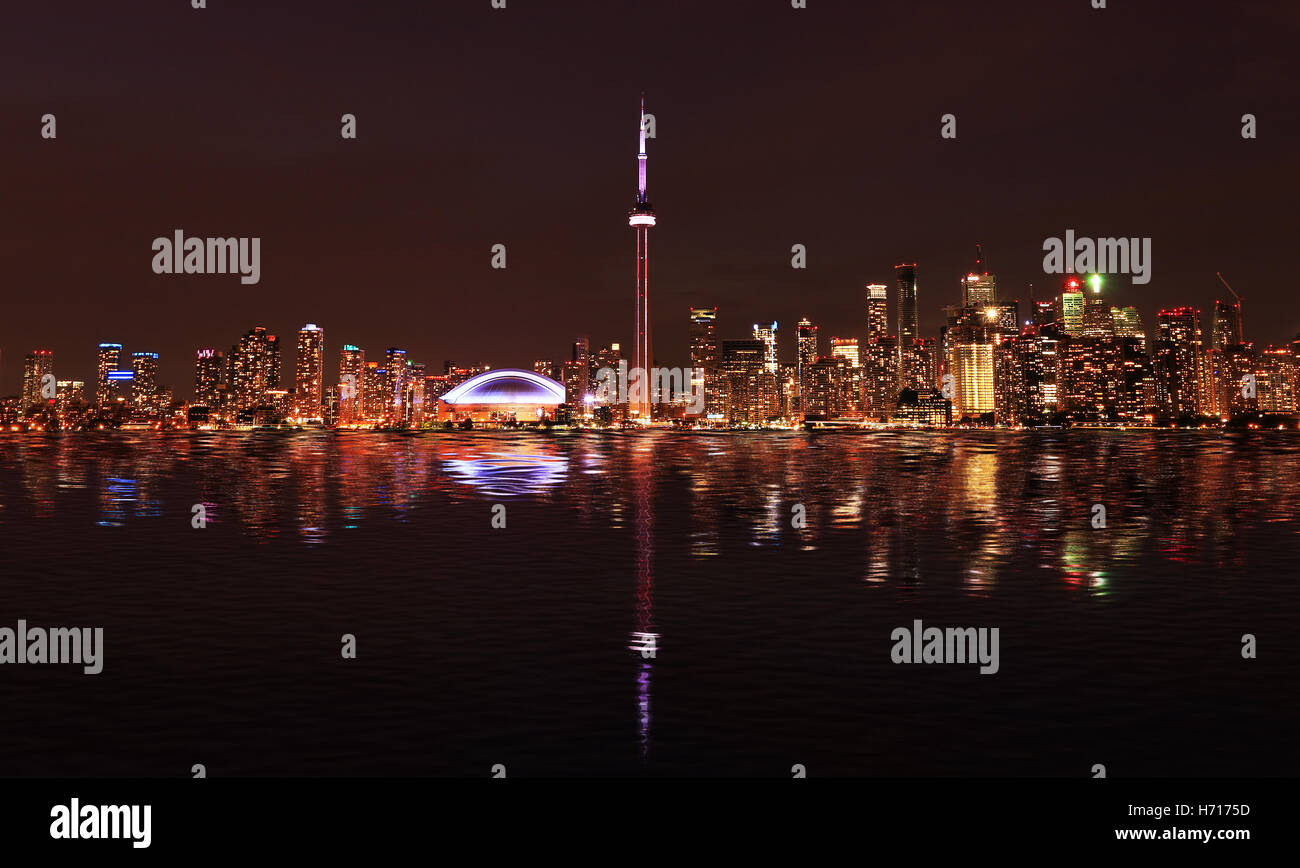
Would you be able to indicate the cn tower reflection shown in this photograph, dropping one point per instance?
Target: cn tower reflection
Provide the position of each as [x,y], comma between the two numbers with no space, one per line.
[645,639]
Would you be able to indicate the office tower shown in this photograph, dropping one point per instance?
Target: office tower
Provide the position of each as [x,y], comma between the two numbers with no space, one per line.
[1089,377]
[609,356]
[1071,307]
[144,383]
[846,348]
[1096,321]
[704,355]
[1128,324]
[1227,325]
[309,373]
[108,358]
[767,334]
[36,365]
[1009,388]
[1178,361]
[641,218]
[1022,372]
[970,361]
[1136,398]
[877,311]
[979,289]
[750,389]
[907,310]
[1044,313]
[703,336]
[352,384]
[208,368]
[806,352]
[580,356]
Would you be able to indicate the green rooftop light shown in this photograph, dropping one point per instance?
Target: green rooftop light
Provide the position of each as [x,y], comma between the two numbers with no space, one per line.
[1095,280]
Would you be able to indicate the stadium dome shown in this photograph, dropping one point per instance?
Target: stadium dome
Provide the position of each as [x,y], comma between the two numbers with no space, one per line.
[506,386]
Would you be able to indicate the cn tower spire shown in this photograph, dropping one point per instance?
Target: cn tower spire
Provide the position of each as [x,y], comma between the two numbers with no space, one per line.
[641,196]
[641,218]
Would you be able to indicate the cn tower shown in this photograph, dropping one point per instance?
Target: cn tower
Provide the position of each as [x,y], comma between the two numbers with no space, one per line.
[641,218]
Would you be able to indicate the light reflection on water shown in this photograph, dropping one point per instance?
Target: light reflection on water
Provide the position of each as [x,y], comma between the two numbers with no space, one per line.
[1005,501]
[765,633]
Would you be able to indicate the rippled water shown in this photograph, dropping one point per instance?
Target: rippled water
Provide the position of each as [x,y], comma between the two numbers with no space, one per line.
[517,645]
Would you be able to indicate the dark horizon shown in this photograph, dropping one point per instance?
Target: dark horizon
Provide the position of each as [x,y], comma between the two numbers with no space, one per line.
[477,126]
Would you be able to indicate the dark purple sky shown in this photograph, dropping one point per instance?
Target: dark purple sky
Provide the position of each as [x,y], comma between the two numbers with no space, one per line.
[478,126]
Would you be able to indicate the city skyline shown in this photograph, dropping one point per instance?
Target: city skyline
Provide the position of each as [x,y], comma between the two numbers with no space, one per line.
[386,240]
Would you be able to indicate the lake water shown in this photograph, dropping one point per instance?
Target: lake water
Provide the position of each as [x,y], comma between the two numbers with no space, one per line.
[480,645]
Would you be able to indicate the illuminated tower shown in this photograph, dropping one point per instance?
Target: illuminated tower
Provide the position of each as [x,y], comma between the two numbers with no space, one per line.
[877,312]
[144,383]
[979,289]
[641,218]
[108,359]
[805,355]
[208,365]
[35,366]
[309,373]
[767,334]
[352,364]
[907,318]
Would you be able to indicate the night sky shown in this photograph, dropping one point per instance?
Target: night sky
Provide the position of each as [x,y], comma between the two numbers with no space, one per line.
[477,126]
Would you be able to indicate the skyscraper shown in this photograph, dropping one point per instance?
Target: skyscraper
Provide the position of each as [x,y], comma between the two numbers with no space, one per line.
[979,288]
[394,384]
[1071,299]
[703,335]
[1128,324]
[144,384]
[309,373]
[254,368]
[36,365]
[846,348]
[750,389]
[1178,361]
[704,352]
[806,354]
[208,365]
[877,311]
[641,218]
[971,364]
[352,381]
[109,358]
[767,334]
[907,318]
[1227,325]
